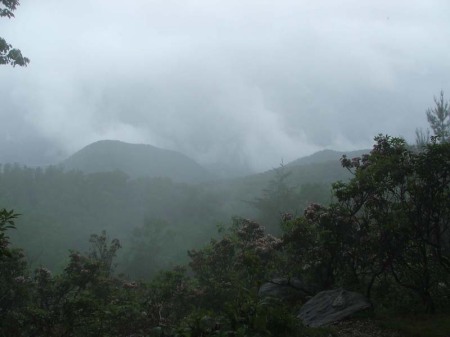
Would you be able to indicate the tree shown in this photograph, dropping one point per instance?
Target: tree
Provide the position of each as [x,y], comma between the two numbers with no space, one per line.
[388,232]
[102,252]
[422,137]
[397,204]
[14,292]
[146,255]
[277,198]
[6,222]
[439,118]
[230,271]
[8,54]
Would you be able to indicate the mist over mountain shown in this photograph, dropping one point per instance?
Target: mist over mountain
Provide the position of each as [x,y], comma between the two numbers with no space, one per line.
[143,160]
[322,167]
[326,156]
[229,170]
[136,160]
[162,186]
[174,168]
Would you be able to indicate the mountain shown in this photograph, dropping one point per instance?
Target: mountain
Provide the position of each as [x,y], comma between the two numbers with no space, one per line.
[326,156]
[136,160]
[313,174]
[230,170]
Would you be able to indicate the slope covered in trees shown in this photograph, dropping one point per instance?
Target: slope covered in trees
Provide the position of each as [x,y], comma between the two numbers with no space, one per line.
[386,234]
[62,207]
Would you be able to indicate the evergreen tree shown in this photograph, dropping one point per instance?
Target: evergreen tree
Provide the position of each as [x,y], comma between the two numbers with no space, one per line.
[439,119]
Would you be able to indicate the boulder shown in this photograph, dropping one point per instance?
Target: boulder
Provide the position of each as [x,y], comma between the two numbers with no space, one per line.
[286,289]
[331,306]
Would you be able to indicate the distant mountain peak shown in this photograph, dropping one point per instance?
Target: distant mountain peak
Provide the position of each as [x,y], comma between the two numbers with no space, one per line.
[136,160]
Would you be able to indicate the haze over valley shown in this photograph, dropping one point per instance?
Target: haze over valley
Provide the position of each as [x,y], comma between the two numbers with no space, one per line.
[180,117]
[205,168]
[120,187]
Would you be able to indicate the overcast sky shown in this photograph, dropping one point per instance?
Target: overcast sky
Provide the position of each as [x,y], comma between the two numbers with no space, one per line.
[243,81]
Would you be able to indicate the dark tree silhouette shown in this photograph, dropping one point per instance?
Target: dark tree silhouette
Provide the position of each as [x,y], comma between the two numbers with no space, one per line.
[8,54]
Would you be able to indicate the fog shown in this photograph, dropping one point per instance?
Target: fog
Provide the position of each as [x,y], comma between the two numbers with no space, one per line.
[244,82]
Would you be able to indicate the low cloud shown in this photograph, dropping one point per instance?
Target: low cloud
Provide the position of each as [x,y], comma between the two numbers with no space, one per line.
[252,82]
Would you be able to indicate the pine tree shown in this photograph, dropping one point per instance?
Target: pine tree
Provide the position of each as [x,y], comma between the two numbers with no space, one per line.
[439,119]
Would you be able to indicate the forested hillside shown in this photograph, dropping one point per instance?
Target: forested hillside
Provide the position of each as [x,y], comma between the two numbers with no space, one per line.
[127,239]
[386,234]
[62,207]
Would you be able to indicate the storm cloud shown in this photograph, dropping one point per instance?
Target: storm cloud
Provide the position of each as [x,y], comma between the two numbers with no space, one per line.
[245,82]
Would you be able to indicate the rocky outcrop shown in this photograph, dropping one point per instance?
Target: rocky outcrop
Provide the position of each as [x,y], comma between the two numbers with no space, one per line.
[331,306]
[287,289]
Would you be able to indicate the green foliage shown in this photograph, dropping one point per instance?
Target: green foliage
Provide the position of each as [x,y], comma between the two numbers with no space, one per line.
[277,198]
[390,224]
[422,138]
[314,245]
[6,222]
[62,208]
[439,118]
[242,258]
[387,233]
[255,318]
[9,55]
[229,273]
[399,200]
[170,297]
[416,325]
[15,291]
[84,300]
[144,256]
[282,198]
[102,252]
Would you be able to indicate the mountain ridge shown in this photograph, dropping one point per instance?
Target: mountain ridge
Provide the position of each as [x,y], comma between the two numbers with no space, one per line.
[136,160]
[144,160]
[325,156]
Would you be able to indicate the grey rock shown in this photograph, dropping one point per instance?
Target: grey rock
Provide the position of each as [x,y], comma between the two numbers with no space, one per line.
[287,289]
[331,306]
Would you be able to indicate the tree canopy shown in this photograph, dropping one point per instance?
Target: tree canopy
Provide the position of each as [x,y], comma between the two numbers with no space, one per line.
[387,232]
[8,54]
[389,226]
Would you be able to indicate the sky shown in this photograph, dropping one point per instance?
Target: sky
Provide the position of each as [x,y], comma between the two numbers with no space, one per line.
[243,82]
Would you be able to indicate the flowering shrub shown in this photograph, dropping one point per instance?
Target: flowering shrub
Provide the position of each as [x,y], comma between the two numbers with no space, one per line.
[229,273]
[389,225]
